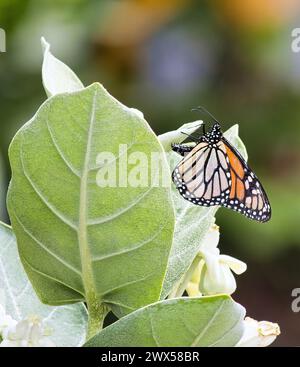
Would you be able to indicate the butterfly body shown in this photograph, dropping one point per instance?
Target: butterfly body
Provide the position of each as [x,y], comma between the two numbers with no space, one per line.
[214,173]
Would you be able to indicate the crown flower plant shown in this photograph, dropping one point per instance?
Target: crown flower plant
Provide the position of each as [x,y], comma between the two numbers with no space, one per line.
[76,251]
[30,332]
[213,274]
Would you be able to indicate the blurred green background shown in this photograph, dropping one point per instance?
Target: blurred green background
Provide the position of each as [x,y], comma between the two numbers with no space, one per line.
[165,57]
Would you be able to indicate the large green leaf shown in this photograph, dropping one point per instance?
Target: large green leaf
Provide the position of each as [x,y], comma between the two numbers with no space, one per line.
[192,221]
[182,322]
[67,323]
[79,241]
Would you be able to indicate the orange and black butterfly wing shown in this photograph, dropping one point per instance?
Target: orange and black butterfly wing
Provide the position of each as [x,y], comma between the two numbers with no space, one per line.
[247,195]
[218,175]
[203,175]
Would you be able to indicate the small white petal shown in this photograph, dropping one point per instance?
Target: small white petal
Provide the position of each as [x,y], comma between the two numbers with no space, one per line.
[258,333]
[235,265]
[212,266]
[36,333]
[211,239]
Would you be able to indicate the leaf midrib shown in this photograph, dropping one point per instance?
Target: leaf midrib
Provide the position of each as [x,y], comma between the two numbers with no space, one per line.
[84,250]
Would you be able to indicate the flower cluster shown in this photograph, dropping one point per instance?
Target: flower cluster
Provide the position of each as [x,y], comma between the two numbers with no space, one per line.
[29,332]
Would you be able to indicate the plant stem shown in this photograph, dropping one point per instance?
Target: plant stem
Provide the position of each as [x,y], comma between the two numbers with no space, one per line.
[97,313]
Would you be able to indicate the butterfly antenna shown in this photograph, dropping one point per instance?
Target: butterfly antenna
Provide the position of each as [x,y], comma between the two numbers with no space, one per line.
[202,109]
[190,136]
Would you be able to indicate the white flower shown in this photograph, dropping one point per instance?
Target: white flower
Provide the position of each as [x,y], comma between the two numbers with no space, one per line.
[214,270]
[29,332]
[5,320]
[258,333]
[193,284]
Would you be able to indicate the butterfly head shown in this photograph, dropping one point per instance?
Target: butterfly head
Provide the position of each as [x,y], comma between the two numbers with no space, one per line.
[214,135]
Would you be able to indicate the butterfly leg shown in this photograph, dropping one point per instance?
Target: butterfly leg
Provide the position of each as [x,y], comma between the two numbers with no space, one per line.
[181,148]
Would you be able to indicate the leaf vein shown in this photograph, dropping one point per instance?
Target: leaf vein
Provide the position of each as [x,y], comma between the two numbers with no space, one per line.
[7,246]
[228,331]
[121,211]
[97,167]
[24,290]
[40,244]
[133,248]
[60,152]
[200,336]
[125,285]
[51,207]
[153,333]
[53,279]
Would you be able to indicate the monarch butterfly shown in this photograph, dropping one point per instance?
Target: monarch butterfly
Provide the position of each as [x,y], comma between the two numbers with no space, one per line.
[214,173]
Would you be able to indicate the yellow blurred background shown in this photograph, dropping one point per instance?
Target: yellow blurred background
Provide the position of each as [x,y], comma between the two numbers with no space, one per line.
[165,57]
